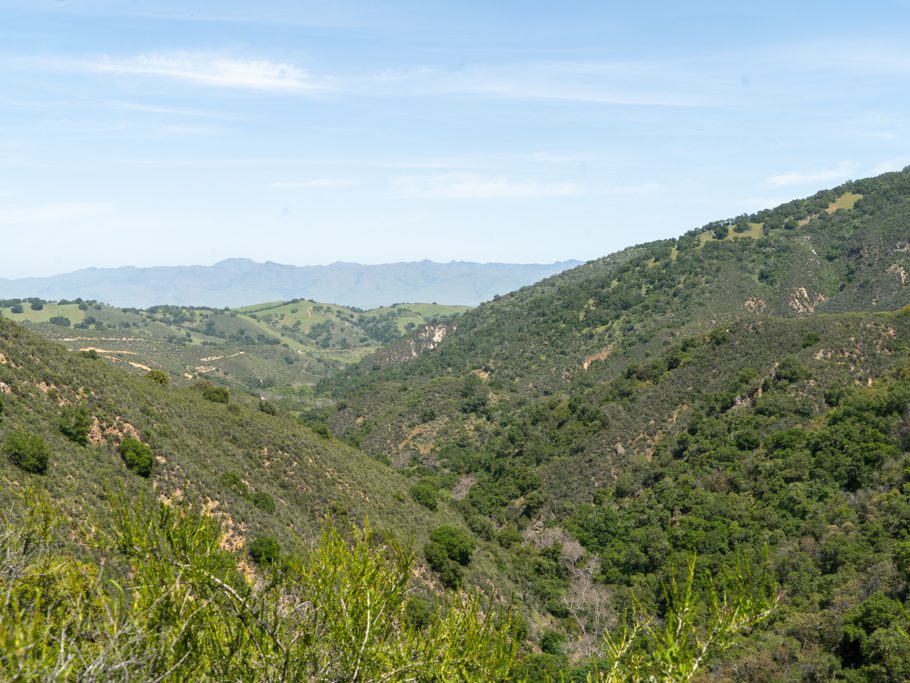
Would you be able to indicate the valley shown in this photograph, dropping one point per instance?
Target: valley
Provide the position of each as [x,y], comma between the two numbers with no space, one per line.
[735,401]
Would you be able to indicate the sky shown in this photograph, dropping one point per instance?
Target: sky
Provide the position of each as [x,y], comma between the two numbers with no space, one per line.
[168,132]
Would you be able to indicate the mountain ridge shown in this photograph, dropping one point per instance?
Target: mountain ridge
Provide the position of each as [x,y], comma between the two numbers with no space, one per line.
[238,282]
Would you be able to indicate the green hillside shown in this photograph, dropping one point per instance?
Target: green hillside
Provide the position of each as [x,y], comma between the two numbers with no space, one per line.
[744,386]
[260,473]
[278,350]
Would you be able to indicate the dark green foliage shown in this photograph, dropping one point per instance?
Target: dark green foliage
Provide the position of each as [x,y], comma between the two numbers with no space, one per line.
[16,308]
[457,544]
[551,642]
[90,353]
[216,394]
[60,321]
[158,376]
[449,571]
[419,612]
[540,668]
[265,550]
[425,493]
[448,552]
[27,451]
[268,407]
[137,456]
[321,429]
[75,423]
[263,501]
[37,306]
[871,644]
[810,339]
[791,370]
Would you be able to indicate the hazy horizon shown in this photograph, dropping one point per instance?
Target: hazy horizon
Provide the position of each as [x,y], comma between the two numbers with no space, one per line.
[165,132]
[291,265]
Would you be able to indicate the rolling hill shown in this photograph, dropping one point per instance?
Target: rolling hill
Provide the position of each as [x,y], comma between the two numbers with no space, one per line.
[277,350]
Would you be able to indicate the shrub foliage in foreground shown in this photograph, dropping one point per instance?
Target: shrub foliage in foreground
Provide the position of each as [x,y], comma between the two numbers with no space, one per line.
[335,613]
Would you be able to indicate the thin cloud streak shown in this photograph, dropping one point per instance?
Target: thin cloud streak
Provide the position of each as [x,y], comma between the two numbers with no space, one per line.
[316,184]
[213,71]
[468,186]
[791,178]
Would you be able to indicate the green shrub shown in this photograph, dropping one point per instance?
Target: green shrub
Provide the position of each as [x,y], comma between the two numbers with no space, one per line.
[27,451]
[791,370]
[265,550]
[419,612]
[216,394]
[16,308]
[263,501]
[551,642]
[137,456]
[458,545]
[60,321]
[75,424]
[268,408]
[321,429]
[450,572]
[810,339]
[425,493]
[158,376]
[37,306]
[233,482]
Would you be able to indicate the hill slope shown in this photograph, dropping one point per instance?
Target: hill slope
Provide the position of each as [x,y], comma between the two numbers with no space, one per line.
[242,282]
[745,385]
[260,473]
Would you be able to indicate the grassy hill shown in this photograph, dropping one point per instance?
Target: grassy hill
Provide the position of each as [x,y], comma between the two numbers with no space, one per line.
[741,387]
[277,349]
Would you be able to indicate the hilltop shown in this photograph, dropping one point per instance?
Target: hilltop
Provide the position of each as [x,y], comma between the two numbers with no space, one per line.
[242,282]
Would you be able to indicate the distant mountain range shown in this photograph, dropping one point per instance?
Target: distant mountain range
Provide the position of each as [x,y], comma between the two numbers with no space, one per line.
[242,282]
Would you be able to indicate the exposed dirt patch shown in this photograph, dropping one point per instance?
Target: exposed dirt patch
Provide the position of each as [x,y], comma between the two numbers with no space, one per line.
[109,351]
[900,272]
[755,304]
[209,359]
[603,354]
[421,438]
[121,430]
[463,486]
[95,434]
[804,303]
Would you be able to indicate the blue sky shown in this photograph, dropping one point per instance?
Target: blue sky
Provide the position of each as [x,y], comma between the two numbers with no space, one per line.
[160,132]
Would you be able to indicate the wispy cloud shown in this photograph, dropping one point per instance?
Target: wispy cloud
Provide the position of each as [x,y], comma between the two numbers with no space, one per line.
[657,84]
[469,186]
[839,172]
[213,71]
[316,184]
[52,213]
